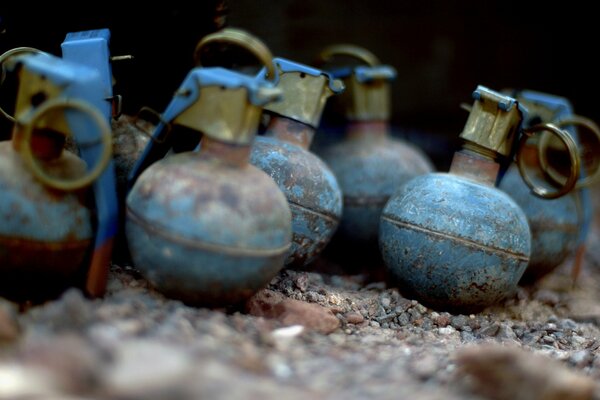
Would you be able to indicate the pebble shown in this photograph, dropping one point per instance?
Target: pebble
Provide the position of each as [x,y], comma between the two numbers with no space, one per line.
[442,320]
[581,358]
[459,321]
[403,319]
[385,301]
[447,330]
[354,317]
[506,332]
[491,330]
[568,324]
[548,339]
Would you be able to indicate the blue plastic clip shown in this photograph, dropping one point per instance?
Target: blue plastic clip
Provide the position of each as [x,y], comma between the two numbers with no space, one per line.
[90,48]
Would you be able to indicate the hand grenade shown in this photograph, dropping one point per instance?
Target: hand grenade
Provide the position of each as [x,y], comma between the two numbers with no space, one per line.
[369,163]
[560,225]
[311,188]
[206,227]
[453,240]
[50,230]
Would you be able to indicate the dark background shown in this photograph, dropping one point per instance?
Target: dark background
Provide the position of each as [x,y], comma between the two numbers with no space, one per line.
[441,49]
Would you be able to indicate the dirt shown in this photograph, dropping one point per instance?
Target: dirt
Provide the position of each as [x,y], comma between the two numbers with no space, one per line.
[307,335]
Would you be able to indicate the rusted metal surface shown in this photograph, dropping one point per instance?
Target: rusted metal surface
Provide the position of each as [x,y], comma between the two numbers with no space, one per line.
[370,166]
[130,138]
[309,185]
[42,231]
[453,243]
[205,230]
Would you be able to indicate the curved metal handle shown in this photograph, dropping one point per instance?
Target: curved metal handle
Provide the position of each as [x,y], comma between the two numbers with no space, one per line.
[571,146]
[27,123]
[344,49]
[544,142]
[243,39]
[3,58]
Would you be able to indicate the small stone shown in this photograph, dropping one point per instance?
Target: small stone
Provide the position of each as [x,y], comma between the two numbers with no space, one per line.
[313,297]
[474,323]
[414,313]
[491,330]
[403,319]
[442,320]
[581,358]
[506,332]
[402,305]
[531,337]
[374,324]
[301,282]
[427,324]
[270,304]
[421,308]
[550,327]
[448,330]
[568,324]
[558,335]
[578,340]
[459,321]
[385,325]
[548,339]
[385,301]
[467,336]
[354,317]
[547,297]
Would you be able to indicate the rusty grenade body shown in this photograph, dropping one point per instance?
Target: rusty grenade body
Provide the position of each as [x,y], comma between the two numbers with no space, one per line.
[50,226]
[309,185]
[206,227]
[558,226]
[369,163]
[453,240]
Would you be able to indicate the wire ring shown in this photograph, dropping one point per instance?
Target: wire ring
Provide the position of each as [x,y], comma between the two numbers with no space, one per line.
[571,146]
[243,39]
[27,124]
[544,142]
[3,58]
[360,53]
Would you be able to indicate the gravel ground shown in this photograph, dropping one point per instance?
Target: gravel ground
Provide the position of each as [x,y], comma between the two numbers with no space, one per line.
[307,334]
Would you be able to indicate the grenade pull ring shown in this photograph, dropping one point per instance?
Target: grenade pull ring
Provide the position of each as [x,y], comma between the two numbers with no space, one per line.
[350,50]
[243,39]
[571,146]
[27,124]
[545,141]
[3,58]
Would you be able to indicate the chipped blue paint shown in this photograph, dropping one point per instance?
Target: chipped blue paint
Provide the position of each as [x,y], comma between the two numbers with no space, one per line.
[29,211]
[311,189]
[445,241]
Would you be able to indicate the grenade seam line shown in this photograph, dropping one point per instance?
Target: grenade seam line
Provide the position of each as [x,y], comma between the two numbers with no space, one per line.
[238,251]
[331,217]
[464,241]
